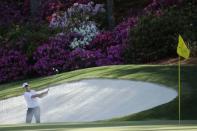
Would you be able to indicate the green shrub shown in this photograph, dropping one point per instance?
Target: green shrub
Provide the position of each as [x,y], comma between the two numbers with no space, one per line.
[128,8]
[156,37]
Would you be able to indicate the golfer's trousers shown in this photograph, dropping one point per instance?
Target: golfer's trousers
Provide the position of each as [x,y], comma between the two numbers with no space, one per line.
[33,112]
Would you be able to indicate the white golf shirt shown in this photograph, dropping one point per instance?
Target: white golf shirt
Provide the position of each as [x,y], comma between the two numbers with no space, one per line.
[31,102]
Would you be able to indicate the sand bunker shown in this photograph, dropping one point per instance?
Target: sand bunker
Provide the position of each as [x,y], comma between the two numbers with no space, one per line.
[90,100]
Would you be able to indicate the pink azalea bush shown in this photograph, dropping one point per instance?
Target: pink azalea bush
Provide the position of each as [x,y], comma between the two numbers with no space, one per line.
[81,58]
[121,31]
[13,65]
[113,56]
[48,7]
[53,54]
[81,44]
[102,41]
[113,44]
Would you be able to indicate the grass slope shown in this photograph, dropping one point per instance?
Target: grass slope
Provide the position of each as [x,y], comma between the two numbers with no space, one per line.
[166,75]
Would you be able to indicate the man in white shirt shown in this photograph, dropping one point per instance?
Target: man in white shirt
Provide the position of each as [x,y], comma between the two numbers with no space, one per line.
[31,98]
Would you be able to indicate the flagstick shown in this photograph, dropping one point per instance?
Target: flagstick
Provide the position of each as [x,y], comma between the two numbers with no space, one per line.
[179,81]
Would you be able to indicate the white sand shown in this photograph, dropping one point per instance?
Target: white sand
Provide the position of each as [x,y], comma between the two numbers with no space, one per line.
[90,100]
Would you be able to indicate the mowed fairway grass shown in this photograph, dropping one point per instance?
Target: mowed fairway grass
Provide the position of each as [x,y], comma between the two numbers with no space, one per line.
[165,75]
[107,126]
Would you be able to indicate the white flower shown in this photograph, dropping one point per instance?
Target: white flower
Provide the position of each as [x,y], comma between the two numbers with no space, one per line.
[78,12]
[75,4]
[88,31]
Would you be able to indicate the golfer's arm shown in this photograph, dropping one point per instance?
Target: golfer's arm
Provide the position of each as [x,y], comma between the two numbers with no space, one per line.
[38,95]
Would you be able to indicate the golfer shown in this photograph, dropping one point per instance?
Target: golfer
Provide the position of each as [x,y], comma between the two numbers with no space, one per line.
[31,98]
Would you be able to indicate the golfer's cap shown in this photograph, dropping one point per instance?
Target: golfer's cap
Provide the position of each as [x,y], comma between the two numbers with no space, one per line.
[25,84]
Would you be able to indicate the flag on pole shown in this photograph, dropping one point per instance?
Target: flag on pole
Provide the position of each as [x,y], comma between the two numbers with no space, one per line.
[182,49]
[184,52]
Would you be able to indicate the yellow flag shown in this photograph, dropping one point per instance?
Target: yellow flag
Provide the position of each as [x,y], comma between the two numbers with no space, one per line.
[182,49]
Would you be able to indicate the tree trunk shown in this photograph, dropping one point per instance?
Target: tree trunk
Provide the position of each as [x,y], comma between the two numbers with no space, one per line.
[34,7]
[26,7]
[110,16]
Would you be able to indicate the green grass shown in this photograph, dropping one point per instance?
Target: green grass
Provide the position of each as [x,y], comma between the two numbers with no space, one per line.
[107,126]
[166,75]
